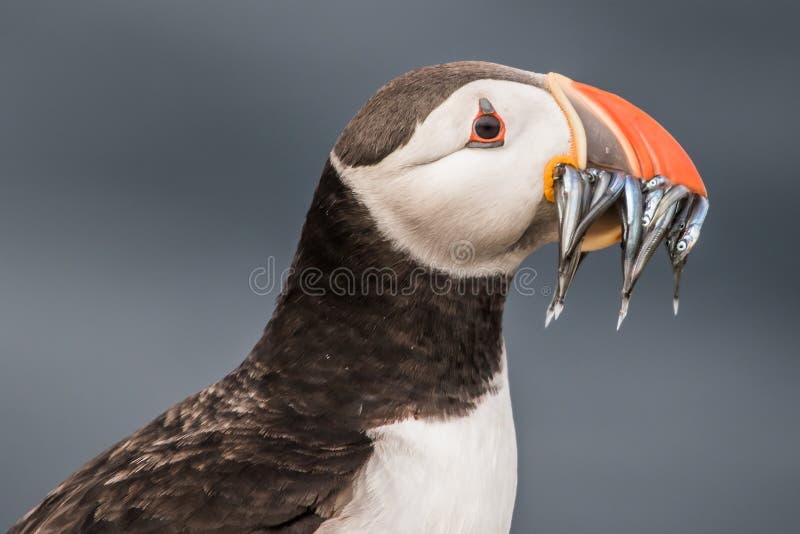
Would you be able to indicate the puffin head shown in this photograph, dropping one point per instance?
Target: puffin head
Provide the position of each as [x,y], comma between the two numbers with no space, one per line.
[468,167]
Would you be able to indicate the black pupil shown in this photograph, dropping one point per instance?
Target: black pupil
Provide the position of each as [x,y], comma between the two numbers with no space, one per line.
[487,127]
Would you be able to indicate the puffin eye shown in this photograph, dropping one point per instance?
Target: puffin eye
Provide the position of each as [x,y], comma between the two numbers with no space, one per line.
[488,129]
[487,126]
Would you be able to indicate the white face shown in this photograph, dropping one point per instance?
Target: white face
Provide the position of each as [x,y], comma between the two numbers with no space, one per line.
[463,209]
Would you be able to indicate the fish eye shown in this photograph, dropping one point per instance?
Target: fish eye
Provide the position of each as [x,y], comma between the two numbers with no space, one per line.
[681,246]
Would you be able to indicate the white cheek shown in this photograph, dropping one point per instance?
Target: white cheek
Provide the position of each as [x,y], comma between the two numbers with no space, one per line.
[471,195]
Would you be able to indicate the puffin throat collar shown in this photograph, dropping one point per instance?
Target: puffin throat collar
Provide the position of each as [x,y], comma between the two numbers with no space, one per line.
[607,131]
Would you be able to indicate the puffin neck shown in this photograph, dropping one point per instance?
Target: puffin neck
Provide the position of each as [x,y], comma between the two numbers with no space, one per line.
[368,330]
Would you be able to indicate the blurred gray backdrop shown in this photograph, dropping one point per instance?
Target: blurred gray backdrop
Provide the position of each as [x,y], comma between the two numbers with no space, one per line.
[153,153]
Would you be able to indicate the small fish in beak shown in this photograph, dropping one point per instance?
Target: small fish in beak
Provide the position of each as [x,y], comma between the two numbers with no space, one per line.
[610,190]
[652,196]
[568,193]
[678,226]
[691,233]
[570,208]
[675,215]
[683,235]
[631,237]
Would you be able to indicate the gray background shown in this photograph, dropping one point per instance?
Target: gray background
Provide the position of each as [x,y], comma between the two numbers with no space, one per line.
[153,153]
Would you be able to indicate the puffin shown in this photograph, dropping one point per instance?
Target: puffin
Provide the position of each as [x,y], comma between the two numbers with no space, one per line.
[377,399]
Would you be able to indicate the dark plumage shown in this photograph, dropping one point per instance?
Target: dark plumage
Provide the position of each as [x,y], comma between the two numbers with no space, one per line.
[274,446]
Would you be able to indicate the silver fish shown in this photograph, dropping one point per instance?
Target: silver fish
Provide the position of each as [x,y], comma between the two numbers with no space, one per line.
[651,241]
[602,182]
[651,199]
[571,212]
[692,232]
[565,280]
[678,225]
[632,226]
[587,191]
[606,200]
[674,194]
[574,192]
[651,211]
[631,210]
[673,235]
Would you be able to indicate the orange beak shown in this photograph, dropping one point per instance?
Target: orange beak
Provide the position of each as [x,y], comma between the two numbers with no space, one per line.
[609,132]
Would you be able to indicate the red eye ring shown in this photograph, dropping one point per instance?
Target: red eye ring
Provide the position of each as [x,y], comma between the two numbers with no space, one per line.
[476,140]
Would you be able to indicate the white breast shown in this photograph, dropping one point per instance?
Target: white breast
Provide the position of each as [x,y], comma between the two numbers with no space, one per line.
[456,476]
